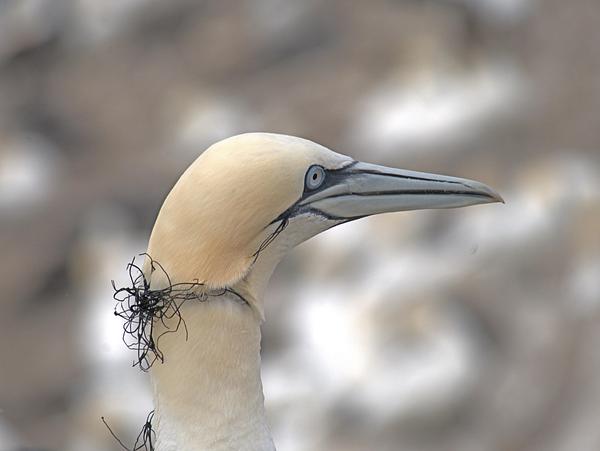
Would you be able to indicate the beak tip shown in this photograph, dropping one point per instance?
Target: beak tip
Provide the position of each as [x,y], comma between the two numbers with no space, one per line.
[485,190]
[497,198]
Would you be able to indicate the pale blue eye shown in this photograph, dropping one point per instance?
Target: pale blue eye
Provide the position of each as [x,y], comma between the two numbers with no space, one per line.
[315,177]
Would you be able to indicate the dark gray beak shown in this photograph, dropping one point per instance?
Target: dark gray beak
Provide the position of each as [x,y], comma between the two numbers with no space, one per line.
[364,189]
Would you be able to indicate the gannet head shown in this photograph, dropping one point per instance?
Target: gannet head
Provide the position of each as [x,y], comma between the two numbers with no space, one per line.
[248,199]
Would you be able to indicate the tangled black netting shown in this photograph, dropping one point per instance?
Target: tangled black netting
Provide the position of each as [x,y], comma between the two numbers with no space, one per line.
[145,439]
[142,307]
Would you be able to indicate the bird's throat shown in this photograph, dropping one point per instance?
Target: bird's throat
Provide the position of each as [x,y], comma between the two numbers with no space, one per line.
[208,391]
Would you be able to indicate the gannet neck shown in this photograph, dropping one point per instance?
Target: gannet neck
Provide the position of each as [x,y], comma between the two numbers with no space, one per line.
[208,392]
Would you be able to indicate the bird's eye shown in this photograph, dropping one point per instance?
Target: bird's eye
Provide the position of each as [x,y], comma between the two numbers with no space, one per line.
[315,177]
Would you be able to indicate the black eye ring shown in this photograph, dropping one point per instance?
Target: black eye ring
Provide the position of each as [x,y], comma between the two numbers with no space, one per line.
[315,177]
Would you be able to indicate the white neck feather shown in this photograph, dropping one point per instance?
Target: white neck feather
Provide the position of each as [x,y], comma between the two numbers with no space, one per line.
[208,392]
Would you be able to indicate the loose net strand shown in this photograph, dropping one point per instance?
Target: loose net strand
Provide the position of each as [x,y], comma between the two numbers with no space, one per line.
[141,308]
[145,439]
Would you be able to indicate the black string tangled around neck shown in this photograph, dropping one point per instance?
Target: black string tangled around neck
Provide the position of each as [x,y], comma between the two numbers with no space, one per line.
[142,308]
[145,439]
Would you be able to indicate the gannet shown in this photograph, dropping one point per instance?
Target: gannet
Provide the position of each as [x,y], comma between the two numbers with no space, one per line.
[231,217]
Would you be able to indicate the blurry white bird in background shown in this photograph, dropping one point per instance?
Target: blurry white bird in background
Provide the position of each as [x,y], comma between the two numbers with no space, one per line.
[380,336]
[435,106]
[8,438]
[28,172]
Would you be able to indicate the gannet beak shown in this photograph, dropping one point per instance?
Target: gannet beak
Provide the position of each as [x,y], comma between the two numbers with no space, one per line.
[363,189]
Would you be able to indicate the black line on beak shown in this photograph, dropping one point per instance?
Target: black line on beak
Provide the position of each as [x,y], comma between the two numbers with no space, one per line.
[406,177]
[412,192]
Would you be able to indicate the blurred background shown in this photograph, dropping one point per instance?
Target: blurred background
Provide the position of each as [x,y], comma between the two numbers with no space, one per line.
[466,330]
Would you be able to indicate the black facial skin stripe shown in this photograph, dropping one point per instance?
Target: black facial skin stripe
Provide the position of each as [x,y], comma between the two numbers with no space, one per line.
[337,176]
[333,176]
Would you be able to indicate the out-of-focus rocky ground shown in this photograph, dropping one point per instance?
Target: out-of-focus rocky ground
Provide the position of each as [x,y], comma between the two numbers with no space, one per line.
[465,330]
